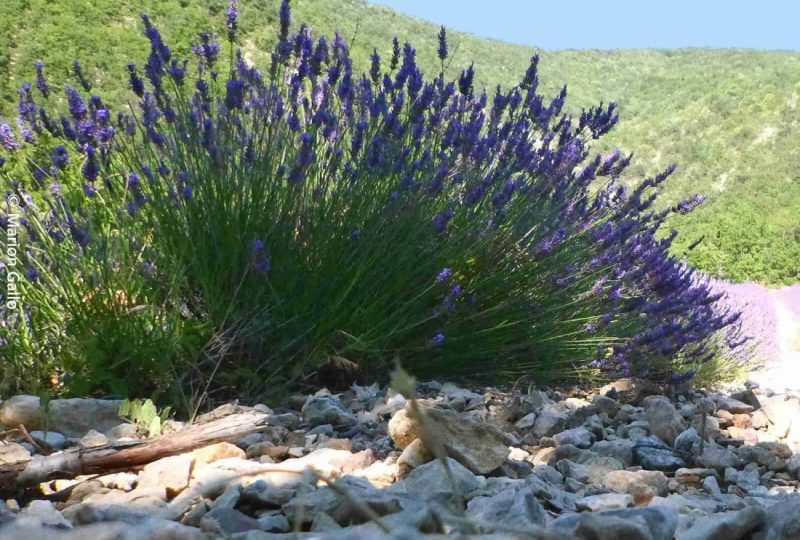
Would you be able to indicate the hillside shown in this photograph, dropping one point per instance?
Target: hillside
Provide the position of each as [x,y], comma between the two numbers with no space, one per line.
[729,118]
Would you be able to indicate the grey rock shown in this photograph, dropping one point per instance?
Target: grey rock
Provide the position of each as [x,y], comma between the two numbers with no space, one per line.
[227,521]
[687,440]
[716,457]
[75,417]
[782,520]
[711,486]
[265,493]
[549,421]
[657,459]
[578,437]
[323,522]
[605,405]
[733,406]
[430,480]
[513,507]
[93,439]
[53,439]
[274,523]
[526,422]
[592,471]
[319,410]
[665,421]
[724,525]
[651,523]
[621,450]
[122,431]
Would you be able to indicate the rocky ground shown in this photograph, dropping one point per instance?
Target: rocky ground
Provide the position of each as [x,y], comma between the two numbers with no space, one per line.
[624,462]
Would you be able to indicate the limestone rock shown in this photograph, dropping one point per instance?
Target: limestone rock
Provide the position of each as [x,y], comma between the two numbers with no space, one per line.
[477,445]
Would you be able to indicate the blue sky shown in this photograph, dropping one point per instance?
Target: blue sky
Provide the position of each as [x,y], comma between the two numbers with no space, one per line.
[612,24]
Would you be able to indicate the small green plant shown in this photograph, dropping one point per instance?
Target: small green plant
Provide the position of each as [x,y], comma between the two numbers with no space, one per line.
[145,415]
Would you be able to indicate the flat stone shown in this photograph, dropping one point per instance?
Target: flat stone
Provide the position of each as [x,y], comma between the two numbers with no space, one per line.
[604,501]
[11,452]
[733,406]
[93,439]
[265,494]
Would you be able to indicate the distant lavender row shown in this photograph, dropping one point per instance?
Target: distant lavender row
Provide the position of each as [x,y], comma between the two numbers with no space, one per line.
[759,317]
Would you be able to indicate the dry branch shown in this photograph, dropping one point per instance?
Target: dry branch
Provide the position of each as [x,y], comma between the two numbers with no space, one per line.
[118,457]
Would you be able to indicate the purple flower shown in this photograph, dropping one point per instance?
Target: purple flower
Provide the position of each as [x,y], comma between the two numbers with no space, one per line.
[285,16]
[232,19]
[41,82]
[32,274]
[91,169]
[436,340]
[208,48]
[234,96]
[78,71]
[7,137]
[442,51]
[444,275]
[77,107]
[261,262]
[60,157]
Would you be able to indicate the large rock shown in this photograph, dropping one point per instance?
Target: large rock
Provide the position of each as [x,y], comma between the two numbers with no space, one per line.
[549,421]
[477,445]
[21,410]
[665,421]
[724,525]
[430,480]
[782,521]
[656,523]
[733,406]
[511,507]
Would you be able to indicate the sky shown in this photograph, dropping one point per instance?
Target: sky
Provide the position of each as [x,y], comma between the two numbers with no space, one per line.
[619,24]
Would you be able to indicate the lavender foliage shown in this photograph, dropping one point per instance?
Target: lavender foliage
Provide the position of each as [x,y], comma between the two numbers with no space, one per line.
[388,212]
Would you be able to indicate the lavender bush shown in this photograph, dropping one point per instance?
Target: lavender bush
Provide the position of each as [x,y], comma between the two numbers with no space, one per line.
[242,227]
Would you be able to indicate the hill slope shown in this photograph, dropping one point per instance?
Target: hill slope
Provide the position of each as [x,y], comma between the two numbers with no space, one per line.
[729,118]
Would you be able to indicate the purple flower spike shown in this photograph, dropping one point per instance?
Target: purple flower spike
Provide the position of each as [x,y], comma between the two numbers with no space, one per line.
[436,340]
